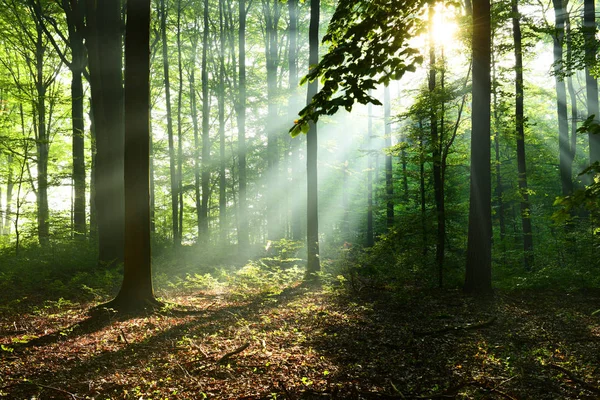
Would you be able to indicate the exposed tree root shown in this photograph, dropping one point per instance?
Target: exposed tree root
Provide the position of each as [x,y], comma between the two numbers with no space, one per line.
[574,378]
[227,356]
[447,329]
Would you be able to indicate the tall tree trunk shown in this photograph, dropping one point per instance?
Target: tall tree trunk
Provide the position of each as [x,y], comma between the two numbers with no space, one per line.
[573,100]
[389,172]
[520,130]
[294,107]
[423,203]
[42,139]
[172,158]
[243,239]
[312,209]
[205,131]
[478,275]
[10,184]
[75,22]
[437,156]
[221,106]
[136,291]
[370,239]
[272,13]
[179,126]
[104,42]
[591,84]
[561,98]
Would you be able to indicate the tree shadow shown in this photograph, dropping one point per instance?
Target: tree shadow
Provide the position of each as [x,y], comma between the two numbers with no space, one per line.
[75,375]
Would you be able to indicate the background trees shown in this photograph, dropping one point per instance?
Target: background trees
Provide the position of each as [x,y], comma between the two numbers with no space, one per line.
[226,178]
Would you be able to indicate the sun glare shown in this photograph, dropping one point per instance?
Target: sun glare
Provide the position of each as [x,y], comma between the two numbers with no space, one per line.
[444,26]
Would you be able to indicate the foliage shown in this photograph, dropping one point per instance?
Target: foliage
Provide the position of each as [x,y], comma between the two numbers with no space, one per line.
[368,45]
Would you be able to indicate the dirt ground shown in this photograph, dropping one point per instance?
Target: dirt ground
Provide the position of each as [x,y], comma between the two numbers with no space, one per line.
[309,343]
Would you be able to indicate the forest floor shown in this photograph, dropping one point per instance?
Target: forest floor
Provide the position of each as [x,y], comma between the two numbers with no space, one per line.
[309,343]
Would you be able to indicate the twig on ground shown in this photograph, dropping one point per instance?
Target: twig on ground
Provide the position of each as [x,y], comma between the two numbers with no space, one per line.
[29,381]
[575,379]
[479,325]
[233,353]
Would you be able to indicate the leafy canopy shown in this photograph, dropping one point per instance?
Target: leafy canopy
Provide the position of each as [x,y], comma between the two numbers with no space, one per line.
[369,44]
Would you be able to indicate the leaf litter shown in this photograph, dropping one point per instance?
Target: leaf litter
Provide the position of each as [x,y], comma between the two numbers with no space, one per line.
[310,343]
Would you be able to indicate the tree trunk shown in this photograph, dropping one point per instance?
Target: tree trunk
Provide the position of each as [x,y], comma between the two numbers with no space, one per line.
[42,139]
[478,276]
[205,131]
[561,98]
[520,130]
[104,43]
[370,239]
[591,84]
[312,209]
[221,106]
[389,172]
[437,156]
[243,239]
[179,128]
[10,184]
[172,158]
[272,13]
[136,291]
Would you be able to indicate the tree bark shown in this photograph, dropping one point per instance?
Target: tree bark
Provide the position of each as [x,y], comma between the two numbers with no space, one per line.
[520,131]
[561,98]
[312,209]
[170,138]
[104,43]
[591,84]
[478,275]
[136,291]
[389,172]
[243,239]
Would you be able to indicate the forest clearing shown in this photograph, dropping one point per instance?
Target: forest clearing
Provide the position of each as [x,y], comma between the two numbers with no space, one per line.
[303,342]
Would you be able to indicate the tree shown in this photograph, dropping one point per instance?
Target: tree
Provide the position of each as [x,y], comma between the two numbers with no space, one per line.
[312,210]
[104,45]
[389,172]
[478,275]
[241,127]
[136,291]
[591,84]
[520,131]
[172,158]
[564,145]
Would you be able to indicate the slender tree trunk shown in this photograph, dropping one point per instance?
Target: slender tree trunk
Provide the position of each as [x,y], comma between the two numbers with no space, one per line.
[436,152]
[294,107]
[389,172]
[42,140]
[370,240]
[520,130]
[561,98]
[478,276]
[312,209]
[93,210]
[179,126]
[172,158]
[221,107]
[573,99]
[10,184]
[422,188]
[272,13]
[205,131]
[243,239]
[591,84]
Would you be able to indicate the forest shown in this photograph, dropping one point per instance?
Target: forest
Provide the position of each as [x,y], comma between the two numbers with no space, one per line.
[294,199]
